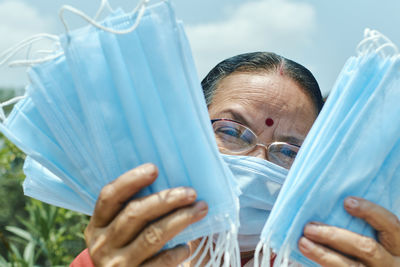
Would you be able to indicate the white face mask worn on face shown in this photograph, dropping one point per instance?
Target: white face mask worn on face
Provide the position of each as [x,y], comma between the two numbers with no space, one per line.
[259,182]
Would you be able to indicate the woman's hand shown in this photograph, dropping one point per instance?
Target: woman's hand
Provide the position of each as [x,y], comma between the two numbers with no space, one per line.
[122,233]
[328,245]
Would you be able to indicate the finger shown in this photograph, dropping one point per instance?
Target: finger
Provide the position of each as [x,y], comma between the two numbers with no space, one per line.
[324,256]
[156,235]
[140,212]
[114,195]
[386,223]
[172,257]
[366,249]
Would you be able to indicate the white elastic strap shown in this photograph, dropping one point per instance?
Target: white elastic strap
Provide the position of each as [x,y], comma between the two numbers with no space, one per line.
[9,53]
[104,4]
[388,45]
[217,253]
[370,37]
[266,257]
[221,244]
[237,251]
[140,9]
[197,251]
[226,250]
[30,62]
[207,248]
[266,254]
[234,247]
[376,41]
[285,262]
[279,256]
[286,256]
[213,252]
[8,102]
[257,254]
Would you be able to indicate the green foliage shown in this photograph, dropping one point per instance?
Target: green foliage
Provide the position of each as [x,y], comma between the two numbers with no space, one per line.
[11,177]
[50,236]
[32,233]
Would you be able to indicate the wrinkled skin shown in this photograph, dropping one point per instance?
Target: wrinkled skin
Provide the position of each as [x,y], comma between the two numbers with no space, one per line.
[131,234]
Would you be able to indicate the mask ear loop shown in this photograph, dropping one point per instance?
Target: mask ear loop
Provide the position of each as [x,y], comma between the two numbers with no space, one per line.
[104,4]
[7,103]
[140,9]
[9,53]
[12,51]
[368,42]
[393,47]
[30,62]
[385,43]
[377,42]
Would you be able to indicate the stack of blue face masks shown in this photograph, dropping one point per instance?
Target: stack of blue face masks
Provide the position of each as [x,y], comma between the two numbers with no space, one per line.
[258,181]
[353,149]
[116,95]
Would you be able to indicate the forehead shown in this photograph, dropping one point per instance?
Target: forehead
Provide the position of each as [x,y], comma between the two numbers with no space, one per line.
[257,96]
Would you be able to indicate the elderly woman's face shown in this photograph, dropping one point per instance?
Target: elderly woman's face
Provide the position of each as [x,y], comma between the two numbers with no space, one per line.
[272,105]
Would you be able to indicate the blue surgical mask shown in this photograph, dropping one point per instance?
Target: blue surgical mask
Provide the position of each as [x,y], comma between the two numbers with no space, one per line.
[42,184]
[116,98]
[26,128]
[259,182]
[54,95]
[353,149]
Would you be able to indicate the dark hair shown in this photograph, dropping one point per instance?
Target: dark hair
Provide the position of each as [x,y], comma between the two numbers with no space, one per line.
[262,61]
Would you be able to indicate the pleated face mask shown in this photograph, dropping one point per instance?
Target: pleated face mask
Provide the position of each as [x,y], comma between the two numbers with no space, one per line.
[43,185]
[259,182]
[353,149]
[118,94]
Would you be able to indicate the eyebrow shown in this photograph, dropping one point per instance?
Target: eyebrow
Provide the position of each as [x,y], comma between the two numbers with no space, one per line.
[238,117]
[291,140]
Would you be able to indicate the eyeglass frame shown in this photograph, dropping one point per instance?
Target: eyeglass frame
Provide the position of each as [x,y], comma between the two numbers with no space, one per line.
[256,136]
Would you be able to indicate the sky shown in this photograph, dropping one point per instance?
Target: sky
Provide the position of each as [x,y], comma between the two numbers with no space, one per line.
[321,35]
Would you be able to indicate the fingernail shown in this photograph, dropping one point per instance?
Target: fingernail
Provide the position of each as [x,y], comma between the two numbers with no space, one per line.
[317,223]
[311,229]
[351,203]
[201,208]
[185,251]
[306,245]
[149,168]
[190,194]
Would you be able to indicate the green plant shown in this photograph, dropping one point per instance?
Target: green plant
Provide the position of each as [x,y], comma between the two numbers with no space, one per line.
[51,236]
[33,233]
[11,178]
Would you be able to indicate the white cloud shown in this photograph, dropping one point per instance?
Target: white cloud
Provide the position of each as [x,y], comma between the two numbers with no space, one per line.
[17,22]
[281,26]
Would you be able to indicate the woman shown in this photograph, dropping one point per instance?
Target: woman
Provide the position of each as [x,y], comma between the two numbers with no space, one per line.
[277,100]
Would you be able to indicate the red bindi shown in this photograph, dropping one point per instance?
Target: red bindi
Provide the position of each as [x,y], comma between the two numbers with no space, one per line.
[269,122]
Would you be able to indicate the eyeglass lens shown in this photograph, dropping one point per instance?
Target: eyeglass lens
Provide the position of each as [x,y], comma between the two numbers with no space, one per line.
[233,137]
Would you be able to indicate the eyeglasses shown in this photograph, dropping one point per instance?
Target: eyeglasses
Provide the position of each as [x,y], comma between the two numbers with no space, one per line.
[235,138]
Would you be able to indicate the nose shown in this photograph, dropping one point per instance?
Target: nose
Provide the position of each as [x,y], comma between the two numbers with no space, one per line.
[259,151]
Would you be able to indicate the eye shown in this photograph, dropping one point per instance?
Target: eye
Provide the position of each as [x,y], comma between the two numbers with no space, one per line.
[287,152]
[233,132]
